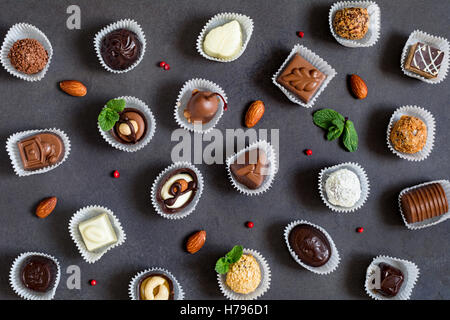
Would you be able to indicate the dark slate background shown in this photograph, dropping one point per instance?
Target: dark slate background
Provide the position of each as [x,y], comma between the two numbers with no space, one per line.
[171,29]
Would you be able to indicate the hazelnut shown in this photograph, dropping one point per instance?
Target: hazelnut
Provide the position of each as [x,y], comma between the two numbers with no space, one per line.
[125,129]
[183,183]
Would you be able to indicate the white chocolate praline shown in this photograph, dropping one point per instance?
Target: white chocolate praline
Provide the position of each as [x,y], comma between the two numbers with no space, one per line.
[155,288]
[343,188]
[224,41]
[97,232]
[181,199]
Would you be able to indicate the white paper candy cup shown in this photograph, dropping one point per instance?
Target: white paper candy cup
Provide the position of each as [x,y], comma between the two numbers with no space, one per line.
[219,20]
[373,33]
[331,264]
[132,102]
[191,206]
[133,288]
[263,286]
[14,153]
[434,41]
[22,31]
[363,181]
[84,214]
[121,24]
[273,168]
[20,289]
[409,270]
[428,222]
[317,62]
[182,101]
[423,115]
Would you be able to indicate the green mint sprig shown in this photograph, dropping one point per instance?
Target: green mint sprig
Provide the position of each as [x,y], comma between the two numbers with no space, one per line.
[110,114]
[223,264]
[337,125]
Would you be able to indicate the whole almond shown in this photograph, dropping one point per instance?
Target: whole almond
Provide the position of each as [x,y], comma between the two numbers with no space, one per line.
[358,86]
[196,241]
[254,113]
[46,206]
[73,87]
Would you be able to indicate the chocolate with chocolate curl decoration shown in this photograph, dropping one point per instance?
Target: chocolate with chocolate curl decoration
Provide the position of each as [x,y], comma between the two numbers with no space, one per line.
[38,273]
[391,280]
[310,244]
[251,168]
[120,49]
[127,117]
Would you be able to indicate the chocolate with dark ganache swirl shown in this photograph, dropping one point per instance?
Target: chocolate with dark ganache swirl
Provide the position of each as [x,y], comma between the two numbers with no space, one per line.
[120,49]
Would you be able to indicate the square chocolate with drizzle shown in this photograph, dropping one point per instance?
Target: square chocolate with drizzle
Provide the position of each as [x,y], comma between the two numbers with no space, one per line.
[424,60]
[301,78]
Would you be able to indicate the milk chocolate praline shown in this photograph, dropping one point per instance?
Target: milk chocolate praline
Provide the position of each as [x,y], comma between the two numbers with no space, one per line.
[202,106]
[126,118]
[38,273]
[120,49]
[251,168]
[176,190]
[310,245]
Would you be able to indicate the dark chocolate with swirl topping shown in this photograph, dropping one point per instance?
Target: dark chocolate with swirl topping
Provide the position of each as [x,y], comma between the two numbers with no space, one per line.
[310,245]
[38,273]
[176,190]
[126,117]
[120,49]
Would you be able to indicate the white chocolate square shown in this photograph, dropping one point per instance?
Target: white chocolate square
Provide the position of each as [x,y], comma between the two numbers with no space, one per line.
[97,232]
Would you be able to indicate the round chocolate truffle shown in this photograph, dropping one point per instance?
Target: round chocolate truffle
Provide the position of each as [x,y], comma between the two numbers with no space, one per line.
[310,245]
[409,134]
[131,127]
[351,23]
[28,56]
[38,273]
[120,49]
[202,106]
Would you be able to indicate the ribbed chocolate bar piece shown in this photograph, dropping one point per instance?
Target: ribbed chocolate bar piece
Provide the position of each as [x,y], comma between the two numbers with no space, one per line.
[424,203]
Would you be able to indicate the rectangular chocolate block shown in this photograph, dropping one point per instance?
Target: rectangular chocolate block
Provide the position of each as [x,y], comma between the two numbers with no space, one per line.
[424,60]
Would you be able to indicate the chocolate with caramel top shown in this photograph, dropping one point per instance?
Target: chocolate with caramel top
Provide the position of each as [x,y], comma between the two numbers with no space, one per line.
[41,150]
[251,168]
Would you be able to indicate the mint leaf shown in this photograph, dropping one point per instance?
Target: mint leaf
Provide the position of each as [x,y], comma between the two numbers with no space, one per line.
[323,118]
[235,254]
[350,137]
[222,265]
[335,130]
[116,105]
[107,119]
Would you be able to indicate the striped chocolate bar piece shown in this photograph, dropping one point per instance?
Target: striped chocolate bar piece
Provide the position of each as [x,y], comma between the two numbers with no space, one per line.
[424,60]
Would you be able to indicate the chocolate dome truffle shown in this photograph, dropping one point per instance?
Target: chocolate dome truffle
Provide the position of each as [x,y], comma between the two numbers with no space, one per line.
[202,106]
[120,49]
[351,23]
[38,273]
[409,135]
[28,56]
[310,245]
[131,127]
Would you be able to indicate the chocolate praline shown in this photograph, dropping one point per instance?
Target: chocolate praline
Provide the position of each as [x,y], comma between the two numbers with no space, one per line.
[130,114]
[38,273]
[310,245]
[120,49]
[169,281]
[251,168]
[391,280]
[174,190]
[202,106]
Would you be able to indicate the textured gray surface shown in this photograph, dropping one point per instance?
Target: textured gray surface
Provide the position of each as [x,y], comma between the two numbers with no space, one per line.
[171,29]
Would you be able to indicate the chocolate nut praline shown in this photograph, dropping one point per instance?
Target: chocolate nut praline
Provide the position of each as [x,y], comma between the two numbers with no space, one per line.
[133,115]
[38,273]
[310,245]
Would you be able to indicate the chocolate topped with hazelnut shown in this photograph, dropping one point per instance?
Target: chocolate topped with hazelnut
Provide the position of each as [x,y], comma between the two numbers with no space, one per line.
[131,127]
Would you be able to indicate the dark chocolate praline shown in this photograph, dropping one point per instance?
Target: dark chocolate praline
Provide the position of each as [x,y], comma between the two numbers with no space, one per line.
[310,245]
[120,49]
[171,293]
[38,273]
[192,186]
[126,115]
[391,280]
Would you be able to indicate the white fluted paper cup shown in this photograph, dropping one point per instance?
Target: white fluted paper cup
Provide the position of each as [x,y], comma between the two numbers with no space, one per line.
[429,121]
[132,102]
[87,213]
[17,284]
[373,32]
[331,264]
[220,19]
[22,31]
[363,181]
[317,62]
[133,287]
[191,206]
[273,168]
[14,153]
[186,93]
[434,41]
[428,222]
[262,288]
[121,24]
[408,268]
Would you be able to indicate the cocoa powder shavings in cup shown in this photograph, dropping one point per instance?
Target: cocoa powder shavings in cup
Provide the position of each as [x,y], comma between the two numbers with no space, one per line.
[28,56]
